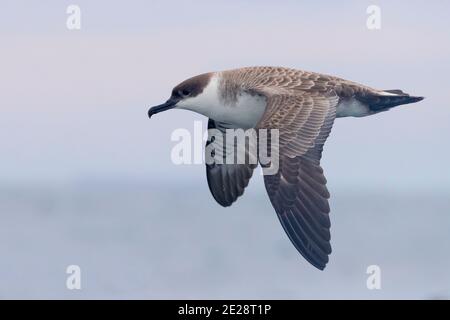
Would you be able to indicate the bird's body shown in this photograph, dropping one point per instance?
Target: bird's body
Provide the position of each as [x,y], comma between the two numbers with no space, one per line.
[302,106]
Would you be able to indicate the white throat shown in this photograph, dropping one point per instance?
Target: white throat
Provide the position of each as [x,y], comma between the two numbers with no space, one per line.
[244,113]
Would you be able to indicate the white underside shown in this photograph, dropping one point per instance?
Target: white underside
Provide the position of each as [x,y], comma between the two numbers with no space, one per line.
[245,113]
[352,108]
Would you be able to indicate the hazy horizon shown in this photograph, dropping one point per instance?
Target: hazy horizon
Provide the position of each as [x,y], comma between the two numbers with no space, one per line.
[86,177]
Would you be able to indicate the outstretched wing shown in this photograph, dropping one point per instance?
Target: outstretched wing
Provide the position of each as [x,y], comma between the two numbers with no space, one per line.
[226,181]
[298,190]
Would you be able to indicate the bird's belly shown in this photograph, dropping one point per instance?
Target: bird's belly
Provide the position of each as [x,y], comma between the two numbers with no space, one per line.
[244,113]
[352,108]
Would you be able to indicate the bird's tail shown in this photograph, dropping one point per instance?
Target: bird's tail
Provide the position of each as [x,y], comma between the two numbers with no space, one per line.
[387,99]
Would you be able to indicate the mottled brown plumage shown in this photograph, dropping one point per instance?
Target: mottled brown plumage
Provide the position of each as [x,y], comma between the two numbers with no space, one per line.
[302,106]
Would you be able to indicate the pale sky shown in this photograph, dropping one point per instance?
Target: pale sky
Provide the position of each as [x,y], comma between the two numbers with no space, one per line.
[74,103]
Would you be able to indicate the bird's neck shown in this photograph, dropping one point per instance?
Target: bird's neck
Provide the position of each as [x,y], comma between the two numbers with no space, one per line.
[223,103]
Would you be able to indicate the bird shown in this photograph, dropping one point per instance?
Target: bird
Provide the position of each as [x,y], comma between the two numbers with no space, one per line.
[302,106]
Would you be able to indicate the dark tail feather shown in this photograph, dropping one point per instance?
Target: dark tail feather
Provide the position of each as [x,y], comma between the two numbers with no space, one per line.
[379,102]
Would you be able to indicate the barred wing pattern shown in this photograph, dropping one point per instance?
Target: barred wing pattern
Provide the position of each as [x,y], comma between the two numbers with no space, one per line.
[226,182]
[298,190]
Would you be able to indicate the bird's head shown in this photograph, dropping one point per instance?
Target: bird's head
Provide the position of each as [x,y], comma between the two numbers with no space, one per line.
[187,95]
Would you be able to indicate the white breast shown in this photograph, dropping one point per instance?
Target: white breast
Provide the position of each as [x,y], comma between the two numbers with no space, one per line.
[245,112]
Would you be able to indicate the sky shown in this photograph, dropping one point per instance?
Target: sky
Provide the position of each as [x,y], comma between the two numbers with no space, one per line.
[74,102]
[86,178]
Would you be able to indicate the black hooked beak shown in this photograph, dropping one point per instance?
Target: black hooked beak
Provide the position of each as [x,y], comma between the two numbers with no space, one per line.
[169,104]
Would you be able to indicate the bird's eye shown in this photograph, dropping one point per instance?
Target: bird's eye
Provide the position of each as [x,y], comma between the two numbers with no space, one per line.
[185,92]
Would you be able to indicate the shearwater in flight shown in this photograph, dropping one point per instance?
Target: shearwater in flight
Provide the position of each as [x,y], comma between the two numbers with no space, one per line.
[302,106]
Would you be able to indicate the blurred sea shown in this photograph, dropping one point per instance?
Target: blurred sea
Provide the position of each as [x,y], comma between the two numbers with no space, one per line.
[135,240]
[74,104]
